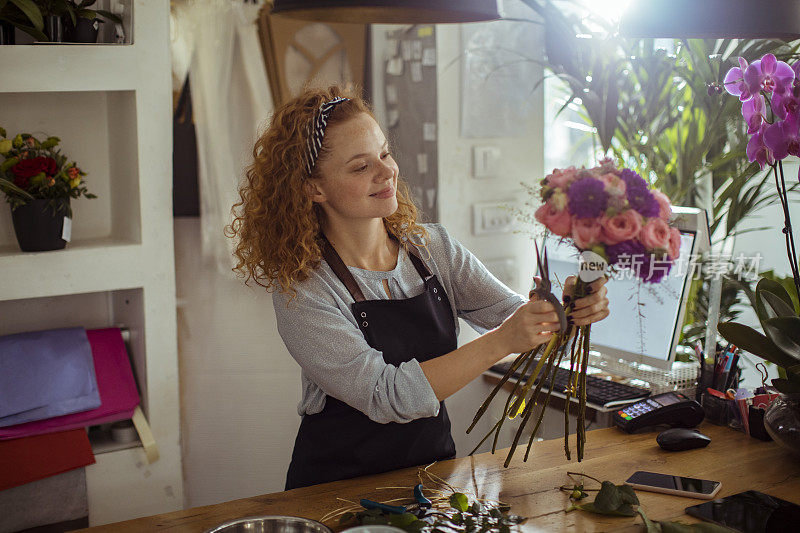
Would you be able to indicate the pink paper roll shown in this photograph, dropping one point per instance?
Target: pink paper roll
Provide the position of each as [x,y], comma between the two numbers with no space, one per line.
[115,383]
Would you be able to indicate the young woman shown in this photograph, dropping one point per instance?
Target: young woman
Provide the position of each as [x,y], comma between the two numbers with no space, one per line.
[366,297]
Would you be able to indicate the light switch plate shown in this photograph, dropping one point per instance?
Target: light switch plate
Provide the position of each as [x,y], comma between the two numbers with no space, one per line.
[485,161]
[492,217]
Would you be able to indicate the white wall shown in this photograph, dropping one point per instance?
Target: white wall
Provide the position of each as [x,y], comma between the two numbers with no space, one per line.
[239,385]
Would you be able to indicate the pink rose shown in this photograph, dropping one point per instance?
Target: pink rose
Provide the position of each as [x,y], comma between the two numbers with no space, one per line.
[614,184]
[674,250]
[664,204]
[586,232]
[562,178]
[555,220]
[621,227]
[655,235]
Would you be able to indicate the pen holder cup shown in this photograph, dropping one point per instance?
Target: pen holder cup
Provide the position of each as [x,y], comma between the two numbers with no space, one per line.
[717,410]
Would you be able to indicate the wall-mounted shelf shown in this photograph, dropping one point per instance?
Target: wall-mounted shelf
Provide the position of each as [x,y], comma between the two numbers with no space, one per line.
[70,68]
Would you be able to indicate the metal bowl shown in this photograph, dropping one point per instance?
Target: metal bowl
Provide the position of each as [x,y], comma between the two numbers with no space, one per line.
[270,524]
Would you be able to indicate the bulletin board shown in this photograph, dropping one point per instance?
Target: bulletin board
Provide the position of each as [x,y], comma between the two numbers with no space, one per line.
[410,96]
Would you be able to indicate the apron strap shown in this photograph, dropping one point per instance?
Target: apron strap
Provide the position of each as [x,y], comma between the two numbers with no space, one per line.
[419,264]
[340,269]
[346,277]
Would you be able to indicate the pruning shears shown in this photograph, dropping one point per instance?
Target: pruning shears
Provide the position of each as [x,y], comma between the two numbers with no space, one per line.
[542,288]
[419,507]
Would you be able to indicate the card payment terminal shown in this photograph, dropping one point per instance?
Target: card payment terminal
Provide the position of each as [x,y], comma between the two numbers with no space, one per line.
[671,408]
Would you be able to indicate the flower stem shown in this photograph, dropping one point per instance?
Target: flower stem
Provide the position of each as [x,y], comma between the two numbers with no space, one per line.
[790,248]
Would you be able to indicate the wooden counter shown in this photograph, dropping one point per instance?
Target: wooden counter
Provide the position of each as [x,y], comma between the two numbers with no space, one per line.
[531,488]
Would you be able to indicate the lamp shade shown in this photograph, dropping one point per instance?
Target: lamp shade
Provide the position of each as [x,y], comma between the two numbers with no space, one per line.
[389,11]
[733,19]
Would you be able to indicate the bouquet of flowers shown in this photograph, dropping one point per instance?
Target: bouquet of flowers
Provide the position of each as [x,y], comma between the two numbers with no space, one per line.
[614,214]
[616,221]
[34,169]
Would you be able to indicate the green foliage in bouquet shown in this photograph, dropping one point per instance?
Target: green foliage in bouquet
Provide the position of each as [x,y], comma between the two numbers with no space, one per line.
[655,111]
[34,169]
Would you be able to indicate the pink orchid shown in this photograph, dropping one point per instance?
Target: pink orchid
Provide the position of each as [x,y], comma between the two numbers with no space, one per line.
[783,137]
[769,74]
[758,151]
[736,84]
[754,112]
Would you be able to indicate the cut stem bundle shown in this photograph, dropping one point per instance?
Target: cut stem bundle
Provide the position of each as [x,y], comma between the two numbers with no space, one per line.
[527,393]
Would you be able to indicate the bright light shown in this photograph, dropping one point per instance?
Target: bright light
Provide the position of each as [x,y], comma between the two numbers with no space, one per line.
[610,10]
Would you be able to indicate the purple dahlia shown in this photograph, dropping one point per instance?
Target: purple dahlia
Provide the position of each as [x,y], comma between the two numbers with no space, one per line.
[639,195]
[652,270]
[629,249]
[587,198]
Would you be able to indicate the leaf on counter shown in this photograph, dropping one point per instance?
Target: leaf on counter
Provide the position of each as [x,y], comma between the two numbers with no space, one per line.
[628,495]
[459,501]
[623,510]
[609,498]
[402,520]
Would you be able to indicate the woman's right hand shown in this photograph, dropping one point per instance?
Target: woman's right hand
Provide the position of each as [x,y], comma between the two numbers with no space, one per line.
[534,323]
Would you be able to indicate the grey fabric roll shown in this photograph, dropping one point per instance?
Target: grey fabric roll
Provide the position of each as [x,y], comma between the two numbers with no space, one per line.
[46,501]
[321,333]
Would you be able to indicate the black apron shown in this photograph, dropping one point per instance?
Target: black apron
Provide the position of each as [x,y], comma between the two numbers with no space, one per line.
[341,442]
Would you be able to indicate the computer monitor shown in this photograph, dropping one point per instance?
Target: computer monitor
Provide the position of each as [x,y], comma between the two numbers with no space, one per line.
[645,322]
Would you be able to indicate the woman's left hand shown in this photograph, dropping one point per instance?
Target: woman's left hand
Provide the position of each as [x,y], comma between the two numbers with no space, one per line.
[589,309]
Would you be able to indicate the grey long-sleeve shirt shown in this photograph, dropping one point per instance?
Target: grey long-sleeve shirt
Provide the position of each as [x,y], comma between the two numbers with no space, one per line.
[321,333]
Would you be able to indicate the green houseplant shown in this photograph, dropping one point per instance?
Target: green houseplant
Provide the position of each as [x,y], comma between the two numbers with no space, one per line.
[22,14]
[39,181]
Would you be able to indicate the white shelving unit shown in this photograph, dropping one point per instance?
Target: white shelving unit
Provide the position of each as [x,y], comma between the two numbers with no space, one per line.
[111,106]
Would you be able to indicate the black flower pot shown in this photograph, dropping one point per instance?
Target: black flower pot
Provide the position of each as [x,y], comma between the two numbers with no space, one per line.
[53,28]
[37,228]
[7,33]
[85,31]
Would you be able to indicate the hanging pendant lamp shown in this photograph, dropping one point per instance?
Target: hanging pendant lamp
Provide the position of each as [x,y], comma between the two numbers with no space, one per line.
[715,19]
[389,11]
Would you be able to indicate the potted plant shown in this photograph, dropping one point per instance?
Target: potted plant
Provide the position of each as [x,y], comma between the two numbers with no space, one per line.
[52,11]
[83,23]
[770,93]
[39,181]
[22,14]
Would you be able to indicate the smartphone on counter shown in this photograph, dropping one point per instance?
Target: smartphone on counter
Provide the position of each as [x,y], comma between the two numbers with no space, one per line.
[676,485]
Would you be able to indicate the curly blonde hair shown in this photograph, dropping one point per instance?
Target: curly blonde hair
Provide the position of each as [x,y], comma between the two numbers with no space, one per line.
[276,224]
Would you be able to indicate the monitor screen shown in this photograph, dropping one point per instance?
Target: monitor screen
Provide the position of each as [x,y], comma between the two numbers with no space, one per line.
[645,317]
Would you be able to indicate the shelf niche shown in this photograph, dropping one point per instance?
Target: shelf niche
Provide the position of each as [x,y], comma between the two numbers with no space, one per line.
[122,308]
[98,130]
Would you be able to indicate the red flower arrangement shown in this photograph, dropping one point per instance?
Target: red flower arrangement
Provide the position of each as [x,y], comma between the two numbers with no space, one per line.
[34,169]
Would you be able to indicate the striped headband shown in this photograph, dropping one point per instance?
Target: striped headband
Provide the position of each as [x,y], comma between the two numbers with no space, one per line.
[316,131]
